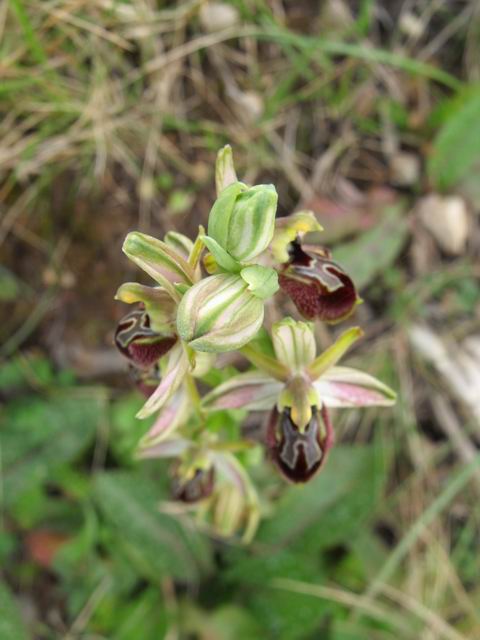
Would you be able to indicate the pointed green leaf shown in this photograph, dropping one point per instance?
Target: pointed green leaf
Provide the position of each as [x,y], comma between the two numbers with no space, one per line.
[157,544]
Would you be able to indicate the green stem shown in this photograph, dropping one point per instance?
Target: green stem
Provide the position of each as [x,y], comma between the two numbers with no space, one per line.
[193,393]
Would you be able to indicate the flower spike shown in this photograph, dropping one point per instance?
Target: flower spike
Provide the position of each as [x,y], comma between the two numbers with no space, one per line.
[210,297]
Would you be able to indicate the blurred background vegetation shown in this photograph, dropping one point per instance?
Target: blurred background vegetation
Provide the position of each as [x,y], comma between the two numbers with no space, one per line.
[366,112]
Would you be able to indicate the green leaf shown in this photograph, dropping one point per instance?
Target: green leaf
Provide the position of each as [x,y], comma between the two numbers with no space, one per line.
[157,543]
[375,250]
[328,508]
[38,435]
[11,625]
[456,149]
[228,622]
[143,617]
[284,615]
[328,511]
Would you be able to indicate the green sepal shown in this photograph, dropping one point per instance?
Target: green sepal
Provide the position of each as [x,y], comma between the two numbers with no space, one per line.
[262,281]
[252,222]
[179,242]
[332,355]
[288,229]
[224,169]
[222,258]
[220,214]
[294,343]
[158,303]
[159,260]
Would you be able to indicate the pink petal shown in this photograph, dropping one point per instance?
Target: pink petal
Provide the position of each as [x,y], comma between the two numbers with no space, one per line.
[346,387]
[251,390]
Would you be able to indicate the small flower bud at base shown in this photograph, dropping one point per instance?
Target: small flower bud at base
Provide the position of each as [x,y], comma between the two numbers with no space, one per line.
[199,487]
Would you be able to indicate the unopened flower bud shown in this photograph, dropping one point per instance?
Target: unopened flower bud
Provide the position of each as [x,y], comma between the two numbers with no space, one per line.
[242,220]
[163,263]
[138,342]
[229,510]
[299,454]
[219,314]
[198,486]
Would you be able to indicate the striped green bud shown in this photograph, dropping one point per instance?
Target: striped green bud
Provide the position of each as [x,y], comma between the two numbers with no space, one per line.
[219,314]
[162,263]
[242,220]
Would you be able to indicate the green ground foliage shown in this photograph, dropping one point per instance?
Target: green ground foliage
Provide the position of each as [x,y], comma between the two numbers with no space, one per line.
[111,115]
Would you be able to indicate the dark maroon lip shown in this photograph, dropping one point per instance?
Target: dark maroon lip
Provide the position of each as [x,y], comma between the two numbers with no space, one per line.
[138,342]
[299,455]
[318,286]
[197,488]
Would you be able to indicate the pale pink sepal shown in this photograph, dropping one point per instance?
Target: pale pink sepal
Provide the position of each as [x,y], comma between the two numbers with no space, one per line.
[177,366]
[173,414]
[252,390]
[165,449]
[346,387]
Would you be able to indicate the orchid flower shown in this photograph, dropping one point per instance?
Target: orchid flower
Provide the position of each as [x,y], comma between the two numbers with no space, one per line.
[147,336]
[298,387]
[318,286]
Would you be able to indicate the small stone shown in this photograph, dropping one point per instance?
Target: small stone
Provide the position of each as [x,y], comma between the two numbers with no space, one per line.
[411,25]
[250,105]
[404,169]
[446,218]
[215,16]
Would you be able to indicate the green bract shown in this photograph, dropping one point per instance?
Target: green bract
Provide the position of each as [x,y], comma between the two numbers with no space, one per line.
[219,314]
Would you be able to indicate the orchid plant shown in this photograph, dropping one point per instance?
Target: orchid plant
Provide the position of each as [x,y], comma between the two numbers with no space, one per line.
[209,298]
